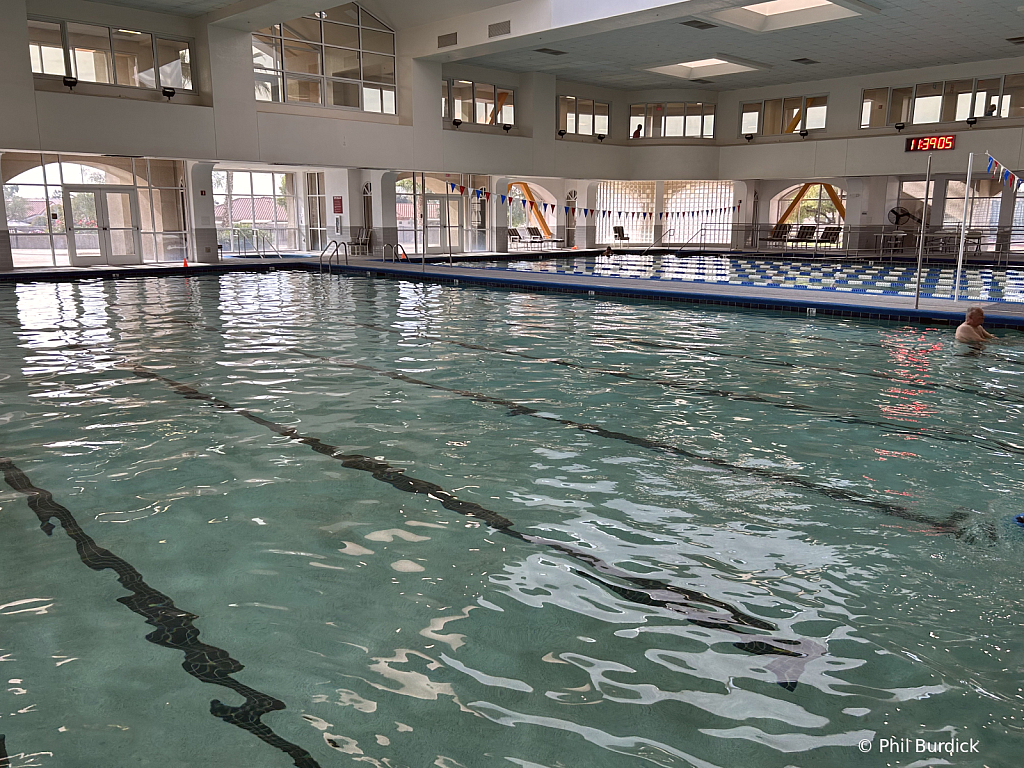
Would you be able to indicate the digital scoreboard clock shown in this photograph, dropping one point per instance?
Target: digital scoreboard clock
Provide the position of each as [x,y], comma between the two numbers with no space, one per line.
[930,143]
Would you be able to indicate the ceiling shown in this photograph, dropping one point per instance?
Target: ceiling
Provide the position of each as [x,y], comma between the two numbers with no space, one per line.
[403,14]
[906,34]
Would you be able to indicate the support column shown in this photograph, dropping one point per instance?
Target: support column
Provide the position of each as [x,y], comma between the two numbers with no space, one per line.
[500,214]
[203,224]
[336,184]
[659,208]
[6,255]
[386,193]
[1007,205]
[590,222]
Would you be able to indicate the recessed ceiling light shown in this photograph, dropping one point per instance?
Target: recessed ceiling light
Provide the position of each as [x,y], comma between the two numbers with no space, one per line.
[550,51]
[698,24]
[805,61]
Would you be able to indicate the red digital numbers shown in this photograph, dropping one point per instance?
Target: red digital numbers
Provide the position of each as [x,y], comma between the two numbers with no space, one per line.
[931,143]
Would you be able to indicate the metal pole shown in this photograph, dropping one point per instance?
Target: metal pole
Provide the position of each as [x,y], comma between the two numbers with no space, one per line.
[447,224]
[963,230]
[920,239]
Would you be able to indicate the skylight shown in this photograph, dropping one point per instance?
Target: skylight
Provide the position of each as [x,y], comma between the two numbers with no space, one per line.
[701,63]
[783,14]
[710,67]
[775,7]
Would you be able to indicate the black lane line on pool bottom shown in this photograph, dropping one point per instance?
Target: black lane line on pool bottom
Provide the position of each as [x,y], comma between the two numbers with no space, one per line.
[653,592]
[174,627]
[950,525]
[947,435]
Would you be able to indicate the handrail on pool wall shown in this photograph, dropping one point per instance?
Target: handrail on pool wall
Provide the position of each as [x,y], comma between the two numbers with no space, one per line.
[660,237]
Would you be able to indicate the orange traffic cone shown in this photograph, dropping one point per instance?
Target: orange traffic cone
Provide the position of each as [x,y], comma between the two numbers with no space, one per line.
[186,262]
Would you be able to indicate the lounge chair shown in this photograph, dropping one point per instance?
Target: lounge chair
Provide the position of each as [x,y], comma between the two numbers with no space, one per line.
[805,234]
[779,233]
[536,234]
[830,236]
[620,234]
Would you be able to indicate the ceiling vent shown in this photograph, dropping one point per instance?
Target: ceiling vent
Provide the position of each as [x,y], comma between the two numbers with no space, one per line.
[499,29]
[1015,40]
[550,51]
[446,41]
[698,24]
[805,61]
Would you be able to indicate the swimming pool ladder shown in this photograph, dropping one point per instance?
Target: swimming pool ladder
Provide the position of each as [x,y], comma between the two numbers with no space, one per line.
[394,249]
[334,247]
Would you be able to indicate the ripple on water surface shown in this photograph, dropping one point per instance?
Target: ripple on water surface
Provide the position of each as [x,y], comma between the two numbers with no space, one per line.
[409,524]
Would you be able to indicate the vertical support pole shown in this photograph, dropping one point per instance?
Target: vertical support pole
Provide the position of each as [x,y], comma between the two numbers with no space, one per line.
[447,211]
[920,238]
[963,229]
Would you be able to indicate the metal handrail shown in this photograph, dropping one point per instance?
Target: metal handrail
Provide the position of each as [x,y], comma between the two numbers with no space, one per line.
[266,241]
[327,247]
[662,237]
[394,248]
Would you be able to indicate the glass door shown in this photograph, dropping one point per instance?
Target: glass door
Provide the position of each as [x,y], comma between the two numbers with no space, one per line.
[434,237]
[82,208]
[119,228]
[104,226]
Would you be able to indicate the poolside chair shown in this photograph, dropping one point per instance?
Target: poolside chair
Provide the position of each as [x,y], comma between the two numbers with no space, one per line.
[805,234]
[513,237]
[537,236]
[830,235]
[779,233]
[360,244]
[620,234]
[530,235]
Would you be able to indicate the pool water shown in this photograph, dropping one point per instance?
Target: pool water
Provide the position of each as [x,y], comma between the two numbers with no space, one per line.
[316,520]
[977,283]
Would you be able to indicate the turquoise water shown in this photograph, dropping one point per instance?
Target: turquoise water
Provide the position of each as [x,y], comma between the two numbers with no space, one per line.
[977,283]
[417,525]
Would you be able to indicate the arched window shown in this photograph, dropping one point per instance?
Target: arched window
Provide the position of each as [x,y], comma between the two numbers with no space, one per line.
[817,204]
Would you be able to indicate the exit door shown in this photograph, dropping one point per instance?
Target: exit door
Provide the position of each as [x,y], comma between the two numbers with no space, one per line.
[442,223]
[103,226]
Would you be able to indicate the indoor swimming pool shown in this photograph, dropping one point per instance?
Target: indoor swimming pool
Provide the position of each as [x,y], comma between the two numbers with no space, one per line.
[977,283]
[318,520]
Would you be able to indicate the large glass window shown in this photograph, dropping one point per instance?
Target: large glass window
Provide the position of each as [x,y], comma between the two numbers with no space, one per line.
[341,57]
[46,47]
[872,114]
[481,103]
[900,104]
[750,119]
[1013,96]
[34,194]
[928,103]
[256,210]
[636,121]
[778,116]
[692,119]
[96,54]
[945,102]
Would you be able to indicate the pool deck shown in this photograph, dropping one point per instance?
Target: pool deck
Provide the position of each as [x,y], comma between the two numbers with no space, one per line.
[821,302]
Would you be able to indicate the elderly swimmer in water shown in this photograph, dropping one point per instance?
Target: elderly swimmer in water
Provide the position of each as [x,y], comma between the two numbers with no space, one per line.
[971,328]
